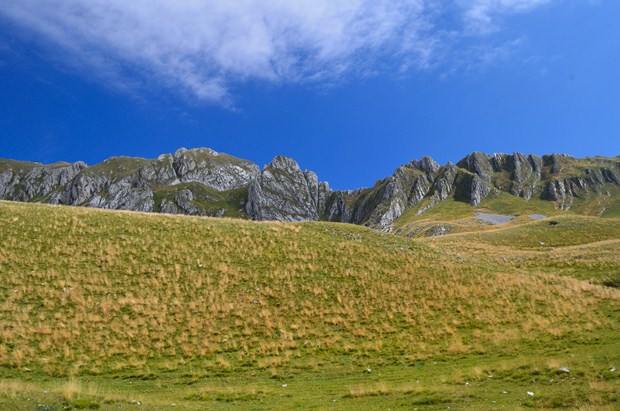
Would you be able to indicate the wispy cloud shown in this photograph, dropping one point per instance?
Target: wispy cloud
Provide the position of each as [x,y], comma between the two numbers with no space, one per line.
[202,47]
[480,16]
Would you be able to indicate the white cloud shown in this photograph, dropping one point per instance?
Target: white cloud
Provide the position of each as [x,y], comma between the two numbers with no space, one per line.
[480,15]
[202,47]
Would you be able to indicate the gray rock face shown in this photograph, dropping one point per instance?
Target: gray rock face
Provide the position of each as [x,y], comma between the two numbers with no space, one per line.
[425,164]
[380,206]
[525,174]
[124,183]
[475,178]
[403,190]
[479,190]
[218,171]
[35,181]
[612,176]
[160,171]
[561,192]
[283,192]
[442,188]
[82,189]
[204,182]
[338,205]
[591,182]
[514,173]
[478,163]
[124,196]
[182,204]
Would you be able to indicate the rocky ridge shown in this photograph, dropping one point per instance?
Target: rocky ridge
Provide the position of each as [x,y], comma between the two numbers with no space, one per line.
[204,182]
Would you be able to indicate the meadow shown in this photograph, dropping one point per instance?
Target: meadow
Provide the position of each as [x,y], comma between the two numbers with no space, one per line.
[122,310]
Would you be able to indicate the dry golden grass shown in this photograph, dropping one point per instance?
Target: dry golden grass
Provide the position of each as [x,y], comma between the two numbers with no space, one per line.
[89,292]
[382,388]
[72,389]
[85,290]
[13,388]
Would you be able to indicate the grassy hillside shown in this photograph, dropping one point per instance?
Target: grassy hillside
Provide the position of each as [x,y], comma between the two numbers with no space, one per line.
[586,248]
[458,216]
[108,309]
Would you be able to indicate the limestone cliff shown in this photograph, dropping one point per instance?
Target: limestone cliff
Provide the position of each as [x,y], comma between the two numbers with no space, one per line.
[205,182]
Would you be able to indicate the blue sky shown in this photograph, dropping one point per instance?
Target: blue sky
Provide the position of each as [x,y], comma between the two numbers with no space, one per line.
[350,89]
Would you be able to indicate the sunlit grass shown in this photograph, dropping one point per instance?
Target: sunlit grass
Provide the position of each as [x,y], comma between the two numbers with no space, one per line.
[232,306]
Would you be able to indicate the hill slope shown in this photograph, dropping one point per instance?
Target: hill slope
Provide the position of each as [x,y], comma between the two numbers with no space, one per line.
[103,307]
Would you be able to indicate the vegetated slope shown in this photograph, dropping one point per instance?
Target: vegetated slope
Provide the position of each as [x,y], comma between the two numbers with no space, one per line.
[207,183]
[100,295]
[559,231]
[582,247]
[452,216]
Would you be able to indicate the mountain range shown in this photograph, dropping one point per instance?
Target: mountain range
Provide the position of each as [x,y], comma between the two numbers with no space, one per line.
[207,183]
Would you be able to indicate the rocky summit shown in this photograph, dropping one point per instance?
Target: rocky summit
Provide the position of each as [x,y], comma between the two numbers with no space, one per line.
[207,183]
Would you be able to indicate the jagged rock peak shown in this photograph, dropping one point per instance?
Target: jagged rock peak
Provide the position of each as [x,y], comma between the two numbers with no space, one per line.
[425,164]
[199,150]
[284,163]
[478,163]
[283,192]
[218,171]
[80,165]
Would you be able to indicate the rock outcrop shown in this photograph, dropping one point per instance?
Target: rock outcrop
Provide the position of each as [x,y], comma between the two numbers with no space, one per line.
[126,183]
[220,172]
[204,182]
[479,164]
[564,187]
[283,192]
[389,199]
[32,181]
[182,203]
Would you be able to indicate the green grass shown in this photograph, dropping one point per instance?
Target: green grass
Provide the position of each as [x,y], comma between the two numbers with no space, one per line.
[15,165]
[204,155]
[117,167]
[603,205]
[577,246]
[612,211]
[448,210]
[207,199]
[505,203]
[576,167]
[560,231]
[458,216]
[107,309]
